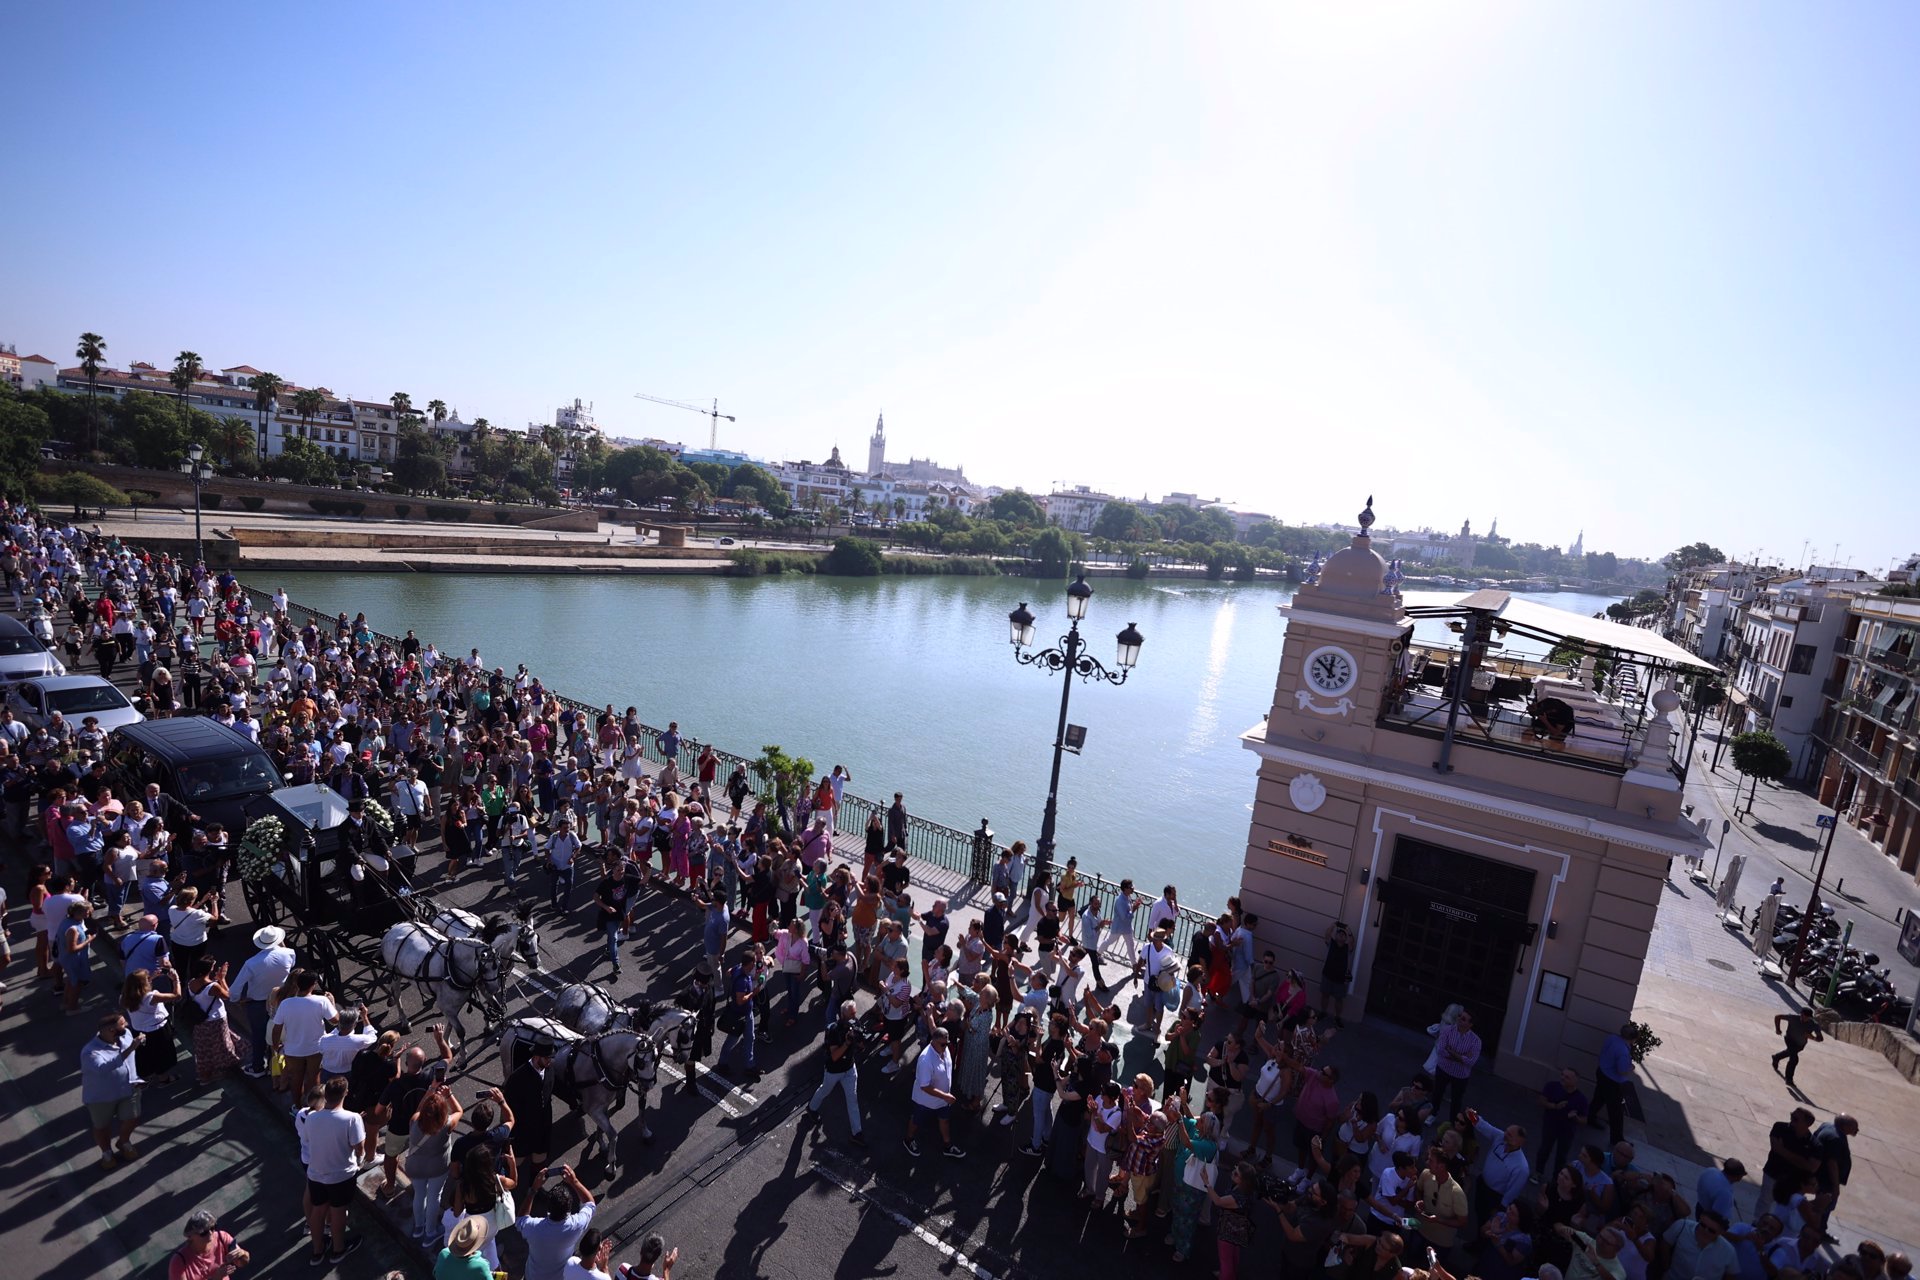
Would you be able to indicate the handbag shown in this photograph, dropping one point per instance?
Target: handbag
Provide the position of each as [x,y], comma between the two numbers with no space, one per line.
[501,1216]
[1198,1174]
[1166,980]
[1267,1087]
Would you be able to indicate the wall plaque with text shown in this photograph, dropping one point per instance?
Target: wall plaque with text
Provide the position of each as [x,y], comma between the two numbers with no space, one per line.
[1299,853]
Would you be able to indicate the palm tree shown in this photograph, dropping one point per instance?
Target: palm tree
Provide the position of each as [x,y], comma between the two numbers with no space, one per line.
[899,508]
[481,429]
[186,372]
[438,410]
[266,396]
[92,348]
[306,403]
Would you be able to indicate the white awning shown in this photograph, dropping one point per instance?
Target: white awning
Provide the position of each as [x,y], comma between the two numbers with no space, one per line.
[1523,612]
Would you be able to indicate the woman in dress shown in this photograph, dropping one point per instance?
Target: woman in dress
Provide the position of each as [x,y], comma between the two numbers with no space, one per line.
[216,1049]
[37,894]
[970,1081]
[72,943]
[146,1009]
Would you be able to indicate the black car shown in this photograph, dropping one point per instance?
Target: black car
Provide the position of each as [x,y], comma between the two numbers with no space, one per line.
[210,769]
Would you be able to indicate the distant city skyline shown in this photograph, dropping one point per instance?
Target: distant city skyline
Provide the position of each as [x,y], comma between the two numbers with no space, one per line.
[1636,270]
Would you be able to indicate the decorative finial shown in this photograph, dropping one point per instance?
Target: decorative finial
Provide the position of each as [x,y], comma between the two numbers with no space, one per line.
[1366,517]
[1393,579]
[1313,569]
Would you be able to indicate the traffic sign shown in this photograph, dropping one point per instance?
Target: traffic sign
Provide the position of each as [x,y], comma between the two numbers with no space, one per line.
[1826,820]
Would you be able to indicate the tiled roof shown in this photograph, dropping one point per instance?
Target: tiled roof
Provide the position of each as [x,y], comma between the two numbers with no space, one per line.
[35,360]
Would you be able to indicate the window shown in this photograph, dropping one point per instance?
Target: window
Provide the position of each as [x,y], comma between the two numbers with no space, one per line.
[1786,700]
[1801,662]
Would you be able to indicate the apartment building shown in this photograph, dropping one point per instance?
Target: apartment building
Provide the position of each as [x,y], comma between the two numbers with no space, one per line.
[1869,737]
[1785,642]
[1705,603]
[1077,509]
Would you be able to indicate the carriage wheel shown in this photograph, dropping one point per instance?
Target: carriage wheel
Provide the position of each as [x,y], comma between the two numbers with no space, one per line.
[261,905]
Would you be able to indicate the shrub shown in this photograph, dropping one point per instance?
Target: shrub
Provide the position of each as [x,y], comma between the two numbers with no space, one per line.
[1138,568]
[252,501]
[403,509]
[1641,1041]
[502,516]
[212,501]
[81,489]
[854,558]
[435,511]
[336,507]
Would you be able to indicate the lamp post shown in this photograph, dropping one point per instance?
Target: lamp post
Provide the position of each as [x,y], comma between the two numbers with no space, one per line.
[1070,657]
[199,472]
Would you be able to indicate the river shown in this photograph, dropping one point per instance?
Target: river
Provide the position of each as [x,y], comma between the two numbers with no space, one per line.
[911,684]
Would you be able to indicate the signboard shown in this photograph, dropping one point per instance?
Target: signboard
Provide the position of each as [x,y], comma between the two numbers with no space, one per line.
[1298,853]
[1910,938]
[1825,820]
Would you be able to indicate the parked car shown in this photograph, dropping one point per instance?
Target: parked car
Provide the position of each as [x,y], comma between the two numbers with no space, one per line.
[34,701]
[215,772]
[22,656]
[723,542]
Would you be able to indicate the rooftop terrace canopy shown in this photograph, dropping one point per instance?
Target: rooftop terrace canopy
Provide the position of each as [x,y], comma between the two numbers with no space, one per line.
[1531,615]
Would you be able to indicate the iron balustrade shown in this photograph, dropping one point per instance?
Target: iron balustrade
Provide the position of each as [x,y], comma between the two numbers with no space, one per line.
[934,843]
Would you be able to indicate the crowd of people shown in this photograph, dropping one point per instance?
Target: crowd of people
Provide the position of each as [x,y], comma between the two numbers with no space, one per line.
[1238,1129]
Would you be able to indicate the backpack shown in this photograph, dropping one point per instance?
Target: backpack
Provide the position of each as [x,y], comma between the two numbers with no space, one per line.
[189,1012]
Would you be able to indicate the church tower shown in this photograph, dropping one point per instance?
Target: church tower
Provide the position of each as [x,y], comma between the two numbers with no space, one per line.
[1579,545]
[877,448]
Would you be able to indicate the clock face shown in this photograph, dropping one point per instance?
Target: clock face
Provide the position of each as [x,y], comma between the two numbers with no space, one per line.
[1331,670]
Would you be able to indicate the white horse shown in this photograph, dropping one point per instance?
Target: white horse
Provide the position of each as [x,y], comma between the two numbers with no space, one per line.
[454,972]
[590,1009]
[592,1073]
[498,930]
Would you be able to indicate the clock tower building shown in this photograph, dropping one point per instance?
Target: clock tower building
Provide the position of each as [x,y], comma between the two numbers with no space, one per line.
[1470,859]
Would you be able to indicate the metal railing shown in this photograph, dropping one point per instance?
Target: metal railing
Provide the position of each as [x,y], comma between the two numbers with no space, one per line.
[948,848]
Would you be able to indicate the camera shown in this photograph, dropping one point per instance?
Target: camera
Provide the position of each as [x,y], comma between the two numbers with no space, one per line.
[1276,1189]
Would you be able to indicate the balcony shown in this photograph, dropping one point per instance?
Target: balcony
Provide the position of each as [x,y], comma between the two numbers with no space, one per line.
[1889,659]
[1864,757]
[1506,709]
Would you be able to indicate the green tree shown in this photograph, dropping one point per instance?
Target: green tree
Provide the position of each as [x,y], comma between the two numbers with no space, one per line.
[1016,507]
[402,405]
[304,462]
[418,463]
[186,372]
[1695,555]
[748,482]
[81,489]
[147,432]
[1491,555]
[854,558]
[307,402]
[266,389]
[437,411]
[1124,522]
[23,430]
[787,775]
[1761,757]
[92,350]
[232,441]
[1053,549]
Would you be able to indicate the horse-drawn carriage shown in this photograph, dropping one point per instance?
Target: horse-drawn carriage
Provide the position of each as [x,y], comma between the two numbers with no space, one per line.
[326,870]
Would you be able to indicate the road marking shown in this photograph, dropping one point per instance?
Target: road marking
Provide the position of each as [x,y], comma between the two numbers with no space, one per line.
[907,1224]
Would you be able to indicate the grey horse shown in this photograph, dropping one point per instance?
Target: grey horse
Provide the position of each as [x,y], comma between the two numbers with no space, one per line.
[592,1072]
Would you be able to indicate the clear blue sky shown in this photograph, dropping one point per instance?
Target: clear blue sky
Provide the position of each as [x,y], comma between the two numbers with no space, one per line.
[1642,269]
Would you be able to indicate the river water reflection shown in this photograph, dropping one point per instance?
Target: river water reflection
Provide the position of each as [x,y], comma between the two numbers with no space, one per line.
[911,684]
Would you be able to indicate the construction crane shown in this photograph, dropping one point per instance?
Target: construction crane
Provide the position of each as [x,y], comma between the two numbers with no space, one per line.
[713,439]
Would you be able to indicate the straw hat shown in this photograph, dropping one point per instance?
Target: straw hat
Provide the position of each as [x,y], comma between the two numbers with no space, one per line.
[468,1235]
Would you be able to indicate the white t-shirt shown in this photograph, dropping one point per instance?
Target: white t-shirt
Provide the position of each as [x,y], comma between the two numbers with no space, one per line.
[54,909]
[302,1021]
[338,1049]
[333,1139]
[578,1270]
[1111,1116]
[189,926]
[934,1070]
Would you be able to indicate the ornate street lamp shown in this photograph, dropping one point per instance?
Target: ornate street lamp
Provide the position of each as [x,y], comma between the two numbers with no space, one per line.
[1069,657]
[199,473]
